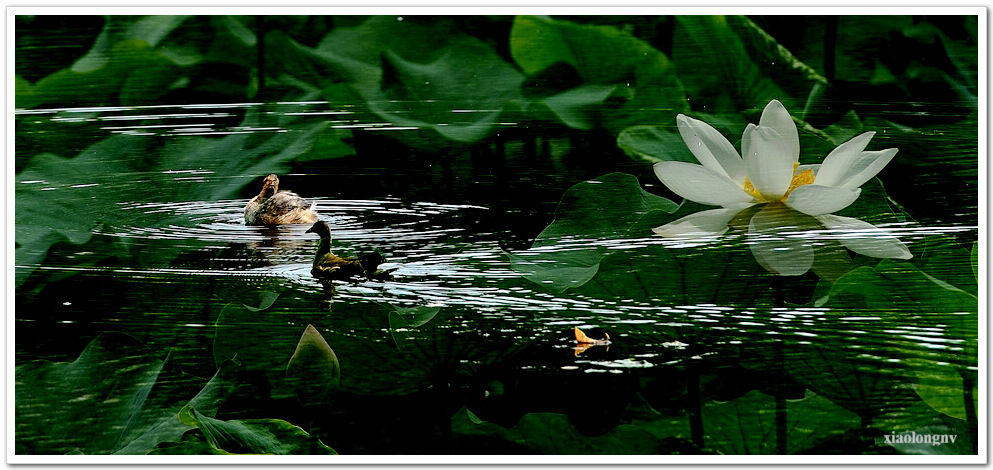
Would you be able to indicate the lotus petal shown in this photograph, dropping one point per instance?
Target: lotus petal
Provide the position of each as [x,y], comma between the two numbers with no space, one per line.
[772,246]
[701,224]
[865,238]
[769,161]
[711,148]
[777,117]
[814,199]
[838,163]
[700,184]
[866,166]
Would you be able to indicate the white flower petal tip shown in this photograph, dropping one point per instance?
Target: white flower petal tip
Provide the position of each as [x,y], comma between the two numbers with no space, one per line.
[776,116]
[864,238]
[700,184]
[847,163]
[711,148]
[866,166]
[813,199]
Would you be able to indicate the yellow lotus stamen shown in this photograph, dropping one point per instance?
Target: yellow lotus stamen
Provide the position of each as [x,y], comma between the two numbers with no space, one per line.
[751,189]
[799,179]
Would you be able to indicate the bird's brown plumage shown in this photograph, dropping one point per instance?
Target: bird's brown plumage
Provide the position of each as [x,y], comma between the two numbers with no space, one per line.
[275,207]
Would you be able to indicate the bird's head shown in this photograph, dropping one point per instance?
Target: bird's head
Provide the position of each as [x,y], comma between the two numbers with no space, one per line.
[269,186]
[321,229]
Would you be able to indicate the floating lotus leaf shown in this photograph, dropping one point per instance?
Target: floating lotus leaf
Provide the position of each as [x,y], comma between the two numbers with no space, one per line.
[747,425]
[115,398]
[247,436]
[553,434]
[568,252]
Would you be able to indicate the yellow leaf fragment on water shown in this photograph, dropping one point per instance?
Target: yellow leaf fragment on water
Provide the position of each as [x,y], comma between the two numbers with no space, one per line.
[582,338]
[584,342]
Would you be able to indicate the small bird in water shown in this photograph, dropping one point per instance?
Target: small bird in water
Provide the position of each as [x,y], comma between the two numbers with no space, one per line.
[329,266]
[275,207]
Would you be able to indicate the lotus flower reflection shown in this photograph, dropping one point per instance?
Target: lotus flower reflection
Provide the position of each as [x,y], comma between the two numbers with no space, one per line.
[799,199]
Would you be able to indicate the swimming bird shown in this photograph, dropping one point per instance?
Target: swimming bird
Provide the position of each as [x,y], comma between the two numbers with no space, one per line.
[328,266]
[275,207]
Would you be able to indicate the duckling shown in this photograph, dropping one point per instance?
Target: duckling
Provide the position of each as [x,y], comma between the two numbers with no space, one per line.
[328,266]
[274,207]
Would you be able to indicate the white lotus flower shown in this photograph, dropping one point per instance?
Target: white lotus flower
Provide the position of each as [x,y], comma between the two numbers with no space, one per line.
[770,173]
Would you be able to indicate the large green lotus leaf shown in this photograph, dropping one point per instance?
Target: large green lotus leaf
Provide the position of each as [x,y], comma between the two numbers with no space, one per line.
[553,434]
[950,263]
[601,208]
[114,398]
[680,276]
[169,428]
[459,95]
[728,63]
[940,385]
[353,54]
[747,425]
[900,288]
[591,214]
[247,436]
[602,55]
[655,144]
[871,388]
[578,108]
[414,73]
[64,199]
[124,63]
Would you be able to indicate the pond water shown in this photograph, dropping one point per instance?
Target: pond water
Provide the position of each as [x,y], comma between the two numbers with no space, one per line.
[149,317]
